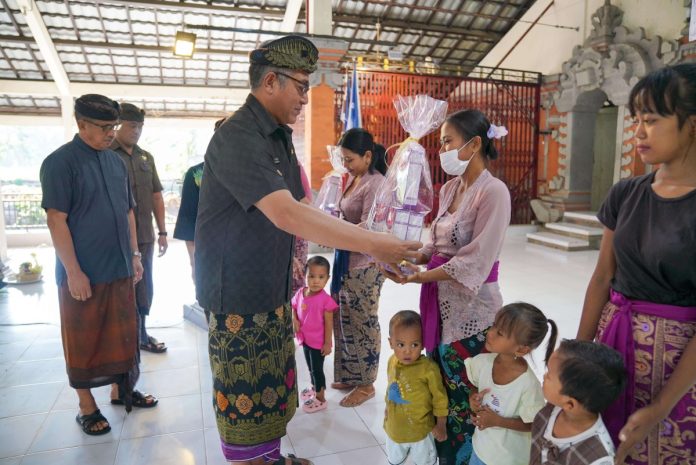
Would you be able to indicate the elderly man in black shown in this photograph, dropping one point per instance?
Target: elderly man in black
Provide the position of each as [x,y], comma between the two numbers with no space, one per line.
[89,206]
[249,213]
[147,190]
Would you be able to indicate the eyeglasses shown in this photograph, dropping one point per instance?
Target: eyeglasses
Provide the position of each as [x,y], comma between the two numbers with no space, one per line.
[105,127]
[305,85]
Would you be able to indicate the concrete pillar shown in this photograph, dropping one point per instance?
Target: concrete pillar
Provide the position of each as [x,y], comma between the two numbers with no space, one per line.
[3,233]
[67,108]
[319,112]
[319,17]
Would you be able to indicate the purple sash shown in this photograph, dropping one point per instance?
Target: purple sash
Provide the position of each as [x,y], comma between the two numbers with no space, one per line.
[429,305]
[619,335]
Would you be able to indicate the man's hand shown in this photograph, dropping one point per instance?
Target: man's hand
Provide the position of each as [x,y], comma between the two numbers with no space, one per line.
[78,285]
[390,249]
[137,270]
[163,245]
[395,276]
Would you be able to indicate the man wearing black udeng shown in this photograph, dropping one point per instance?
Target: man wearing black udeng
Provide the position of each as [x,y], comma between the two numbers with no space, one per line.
[248,214]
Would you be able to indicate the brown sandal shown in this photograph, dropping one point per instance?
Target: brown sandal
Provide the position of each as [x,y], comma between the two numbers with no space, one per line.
[341,386]
[350,401]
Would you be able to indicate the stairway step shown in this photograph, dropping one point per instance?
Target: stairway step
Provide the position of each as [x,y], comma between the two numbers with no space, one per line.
[587,218]
[558,241]
[575,230]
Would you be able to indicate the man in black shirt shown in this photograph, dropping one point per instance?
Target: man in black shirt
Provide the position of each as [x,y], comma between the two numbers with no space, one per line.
[147,190]
[89,206]
[249,212]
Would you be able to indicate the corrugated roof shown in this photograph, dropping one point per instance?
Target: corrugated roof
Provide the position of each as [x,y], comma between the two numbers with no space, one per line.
[119,42]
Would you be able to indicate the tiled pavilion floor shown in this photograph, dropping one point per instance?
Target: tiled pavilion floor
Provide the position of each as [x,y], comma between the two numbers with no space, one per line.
[38,408]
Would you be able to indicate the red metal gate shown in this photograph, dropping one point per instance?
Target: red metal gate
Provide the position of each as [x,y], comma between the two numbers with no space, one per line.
[515,104]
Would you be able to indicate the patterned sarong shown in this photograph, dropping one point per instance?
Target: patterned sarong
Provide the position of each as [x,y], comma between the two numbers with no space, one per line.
[100,335]
[252,358]
[356,328]
[457,448]
[658,343]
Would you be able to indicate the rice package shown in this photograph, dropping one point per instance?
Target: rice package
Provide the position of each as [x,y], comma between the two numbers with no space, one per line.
[332,187]
[406,194]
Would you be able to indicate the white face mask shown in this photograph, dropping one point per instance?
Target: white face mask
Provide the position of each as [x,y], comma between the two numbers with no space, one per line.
[451,163]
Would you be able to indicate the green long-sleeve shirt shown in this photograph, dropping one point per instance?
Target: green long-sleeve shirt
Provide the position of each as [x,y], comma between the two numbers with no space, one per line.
[415,396]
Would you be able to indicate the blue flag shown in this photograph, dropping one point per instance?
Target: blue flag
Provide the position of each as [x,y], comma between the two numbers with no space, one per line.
[351,106]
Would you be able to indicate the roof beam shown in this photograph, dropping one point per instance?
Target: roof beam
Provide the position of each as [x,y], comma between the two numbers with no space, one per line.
[140,91]
[114,45]
[193,7]
[292,13]
[417,26]
[32,15]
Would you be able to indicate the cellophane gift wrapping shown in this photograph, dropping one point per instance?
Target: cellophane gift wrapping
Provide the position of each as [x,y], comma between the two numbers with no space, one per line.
[406,194]
[332,187]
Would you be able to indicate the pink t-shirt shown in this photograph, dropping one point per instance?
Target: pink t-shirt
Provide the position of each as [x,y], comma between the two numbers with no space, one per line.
[310,311]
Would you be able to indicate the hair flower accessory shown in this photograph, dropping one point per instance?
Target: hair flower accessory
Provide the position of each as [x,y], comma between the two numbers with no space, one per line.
[497,132]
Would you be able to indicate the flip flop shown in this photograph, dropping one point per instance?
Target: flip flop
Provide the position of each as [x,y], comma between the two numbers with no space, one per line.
[153,345]
[86,422]
[307,393]
[348,401]
[139,400]
[314,405]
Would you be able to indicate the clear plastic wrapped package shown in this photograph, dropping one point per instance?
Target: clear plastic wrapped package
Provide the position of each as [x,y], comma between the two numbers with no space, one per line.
[406,194]
[332,187]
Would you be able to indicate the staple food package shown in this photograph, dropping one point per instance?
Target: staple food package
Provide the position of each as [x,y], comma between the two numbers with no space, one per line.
[332,186]
[406,194]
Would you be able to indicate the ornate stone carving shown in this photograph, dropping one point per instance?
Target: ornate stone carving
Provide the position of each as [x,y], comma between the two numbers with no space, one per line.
[604,21]
[611,61]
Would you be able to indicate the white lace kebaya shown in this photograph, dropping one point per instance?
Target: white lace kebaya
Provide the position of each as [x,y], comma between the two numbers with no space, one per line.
[473,236]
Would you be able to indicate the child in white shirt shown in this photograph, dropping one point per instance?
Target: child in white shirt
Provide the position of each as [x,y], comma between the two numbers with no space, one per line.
[583,378]
[508,394]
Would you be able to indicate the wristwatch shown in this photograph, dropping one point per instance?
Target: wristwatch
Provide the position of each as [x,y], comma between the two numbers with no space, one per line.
[162,233]
[137,254]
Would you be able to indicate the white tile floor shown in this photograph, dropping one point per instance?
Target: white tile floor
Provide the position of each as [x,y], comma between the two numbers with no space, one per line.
[38,408]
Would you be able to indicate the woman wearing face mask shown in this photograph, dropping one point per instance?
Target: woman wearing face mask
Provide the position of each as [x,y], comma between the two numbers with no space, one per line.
[460,293]
[356,280]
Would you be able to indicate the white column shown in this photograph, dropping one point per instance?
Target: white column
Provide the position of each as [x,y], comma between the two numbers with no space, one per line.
[3,234]
[319,19]
[67,108]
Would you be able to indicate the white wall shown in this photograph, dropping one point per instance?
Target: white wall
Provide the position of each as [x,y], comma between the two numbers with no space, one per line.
[546,48]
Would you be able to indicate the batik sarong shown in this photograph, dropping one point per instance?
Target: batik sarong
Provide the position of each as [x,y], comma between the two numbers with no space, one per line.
[659,335]
[457,448]
[356,328]
[100,335]
[252,358]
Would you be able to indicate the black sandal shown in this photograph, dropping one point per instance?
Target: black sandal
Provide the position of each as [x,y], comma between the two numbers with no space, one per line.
[293,461]
[154,346]
[139,400]
[86,422]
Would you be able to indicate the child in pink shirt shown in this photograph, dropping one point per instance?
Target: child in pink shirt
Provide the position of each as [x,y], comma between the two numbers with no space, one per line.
[312,319]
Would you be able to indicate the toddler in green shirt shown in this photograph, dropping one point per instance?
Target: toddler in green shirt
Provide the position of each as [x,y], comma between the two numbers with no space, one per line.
[416,409]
